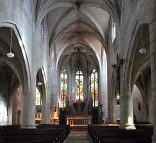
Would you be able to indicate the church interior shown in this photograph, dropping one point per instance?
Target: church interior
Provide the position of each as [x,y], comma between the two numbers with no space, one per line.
[75,71]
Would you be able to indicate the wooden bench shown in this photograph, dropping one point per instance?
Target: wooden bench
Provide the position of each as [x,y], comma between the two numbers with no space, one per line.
[50,134]
[113,134]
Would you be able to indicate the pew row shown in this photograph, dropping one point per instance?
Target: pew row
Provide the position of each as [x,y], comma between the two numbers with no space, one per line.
[113,134]
[42,134]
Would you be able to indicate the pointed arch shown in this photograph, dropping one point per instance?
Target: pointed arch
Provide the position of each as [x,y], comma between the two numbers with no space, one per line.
[25,82]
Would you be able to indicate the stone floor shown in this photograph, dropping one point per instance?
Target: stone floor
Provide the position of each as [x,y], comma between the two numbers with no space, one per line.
[77,137]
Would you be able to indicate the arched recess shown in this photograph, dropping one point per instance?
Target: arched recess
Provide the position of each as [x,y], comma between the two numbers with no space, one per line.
[136,63]
[40,96]
[18,48]
[10,98]
[138,105]
[143,83]
[133,54]
[18,64]
[20,60]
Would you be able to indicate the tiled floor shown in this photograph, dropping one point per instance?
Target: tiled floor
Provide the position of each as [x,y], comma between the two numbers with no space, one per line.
[77,137]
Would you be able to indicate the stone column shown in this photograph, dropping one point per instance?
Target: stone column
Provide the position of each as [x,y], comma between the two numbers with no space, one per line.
[54,92]
[126,106]
[103,99]
[28,107]
[46,99]
[153,65]
[112,107]
[45,106]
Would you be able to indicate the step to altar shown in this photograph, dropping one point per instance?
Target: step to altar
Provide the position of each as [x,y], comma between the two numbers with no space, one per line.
[78,128]
[78,137]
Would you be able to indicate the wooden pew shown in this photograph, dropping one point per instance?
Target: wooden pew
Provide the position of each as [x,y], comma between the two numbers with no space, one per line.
[65,128]
[112,134]
[49,134]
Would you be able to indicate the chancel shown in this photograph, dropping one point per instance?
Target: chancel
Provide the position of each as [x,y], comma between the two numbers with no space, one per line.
[77,71]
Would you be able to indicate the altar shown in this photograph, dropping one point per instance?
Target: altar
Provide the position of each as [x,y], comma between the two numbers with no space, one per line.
[79,120]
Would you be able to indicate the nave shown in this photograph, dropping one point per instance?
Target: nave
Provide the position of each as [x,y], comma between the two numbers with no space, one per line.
[77,63]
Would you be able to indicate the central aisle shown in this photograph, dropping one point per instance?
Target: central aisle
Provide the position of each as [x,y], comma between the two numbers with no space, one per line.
[77,137]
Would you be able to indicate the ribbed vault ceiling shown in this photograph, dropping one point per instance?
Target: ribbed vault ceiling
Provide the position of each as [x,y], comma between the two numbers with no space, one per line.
[77,21]
[61,14]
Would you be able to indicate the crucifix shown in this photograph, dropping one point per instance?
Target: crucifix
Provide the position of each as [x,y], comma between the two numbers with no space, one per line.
[117,67]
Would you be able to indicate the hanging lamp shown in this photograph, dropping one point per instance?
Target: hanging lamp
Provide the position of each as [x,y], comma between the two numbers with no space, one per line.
[142,50]
[10,54]
[39,82]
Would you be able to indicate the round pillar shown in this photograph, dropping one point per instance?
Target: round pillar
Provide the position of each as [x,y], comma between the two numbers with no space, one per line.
[126,107]
[46,101]
[103,99]
[28,107]
[54,92]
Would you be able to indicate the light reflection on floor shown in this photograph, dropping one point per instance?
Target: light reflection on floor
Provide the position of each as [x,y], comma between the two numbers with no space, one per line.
[77,137]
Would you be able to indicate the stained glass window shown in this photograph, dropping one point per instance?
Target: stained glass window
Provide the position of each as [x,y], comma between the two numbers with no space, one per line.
[64,90]
[79,86]
[94,87]
[38,97]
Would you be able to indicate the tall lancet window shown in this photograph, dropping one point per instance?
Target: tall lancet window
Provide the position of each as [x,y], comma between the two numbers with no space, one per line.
[79,86]
[64,90]
[94,87]
[38,97]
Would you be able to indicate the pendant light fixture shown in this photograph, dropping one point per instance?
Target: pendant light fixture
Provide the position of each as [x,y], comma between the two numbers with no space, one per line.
[142,50]
[39,82]
[10,54]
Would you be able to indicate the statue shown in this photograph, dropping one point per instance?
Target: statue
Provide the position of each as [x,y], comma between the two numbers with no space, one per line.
[117,67]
